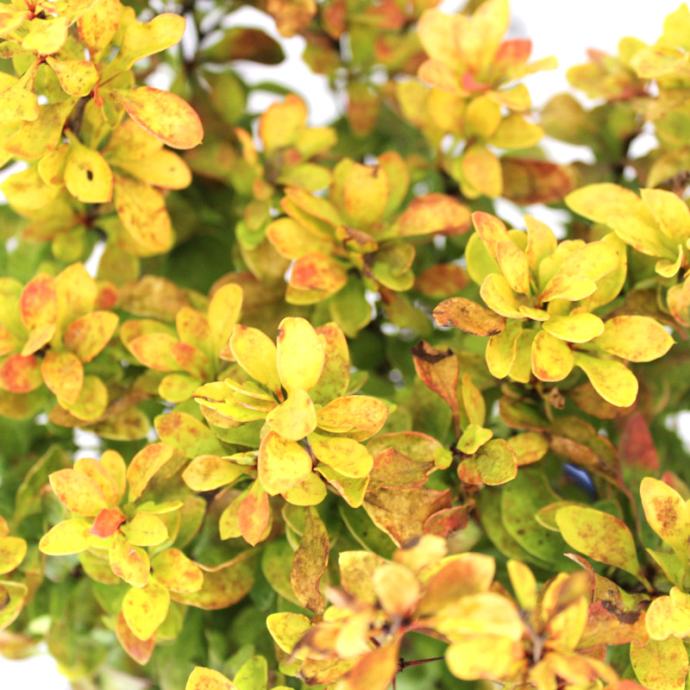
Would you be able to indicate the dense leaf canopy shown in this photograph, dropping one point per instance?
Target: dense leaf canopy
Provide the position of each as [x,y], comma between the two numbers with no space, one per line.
[285,405]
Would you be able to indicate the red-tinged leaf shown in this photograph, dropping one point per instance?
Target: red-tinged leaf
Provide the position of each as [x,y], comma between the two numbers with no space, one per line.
[130,563]
[512,53]
[38,304]
[145,464]
[79,493]
[535,182]
[317,272]
[358,416]
[139,650]
[447,520]
[433,213]
[89,334]
[441,280]
[20,374]
[375,670]
[107,522]
[402,512]
[63,374]
[439,370]
[254,515]
[468,316]
[164,115]
[310,563]
[177,572]
[636,444]
[155,351]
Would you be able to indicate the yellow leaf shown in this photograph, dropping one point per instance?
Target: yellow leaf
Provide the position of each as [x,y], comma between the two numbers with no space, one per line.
[47,36]
[482,117]
[287,629]
[501,350]
[358,416]
[574,328]
[77,77]
[281,464]
[65,538]
[177,572]
[300,354]
[163,114]
[599,535]
[514,265]
[552,359]
[207,679]
[635,338]
[346,456]
[145,609]
[143,215]
[142,39]
[98,23]
[209,472]
[499,296]
[92,401]
[668,616]
[255,352]
[77,492]
[145,529]
[482,657]
[163,168]
[12,552]
[612,380]
[481,173]
[493,464]
[516,132]
[397,589]
[145,464]
[666,513]
[128,562]
[660,665]
[63,374]
[295,418]
[362,191]
[223,313]
[89,334]
[280,124]
[524,584]
[486,613]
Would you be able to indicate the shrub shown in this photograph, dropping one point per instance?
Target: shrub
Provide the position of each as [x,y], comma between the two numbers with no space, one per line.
[292,404]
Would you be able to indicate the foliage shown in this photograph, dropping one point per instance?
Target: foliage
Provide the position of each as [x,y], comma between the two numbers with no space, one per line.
[296,405]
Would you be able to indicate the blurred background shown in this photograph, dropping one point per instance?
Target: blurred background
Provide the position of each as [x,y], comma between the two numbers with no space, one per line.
[564,28]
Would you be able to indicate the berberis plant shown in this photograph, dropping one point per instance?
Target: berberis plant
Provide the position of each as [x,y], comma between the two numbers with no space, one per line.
[285,405]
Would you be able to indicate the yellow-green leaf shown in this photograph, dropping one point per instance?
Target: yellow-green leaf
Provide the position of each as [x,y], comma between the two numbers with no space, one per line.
[599,535]
[145,609]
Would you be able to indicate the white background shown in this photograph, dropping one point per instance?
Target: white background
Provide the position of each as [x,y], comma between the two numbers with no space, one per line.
[564,28]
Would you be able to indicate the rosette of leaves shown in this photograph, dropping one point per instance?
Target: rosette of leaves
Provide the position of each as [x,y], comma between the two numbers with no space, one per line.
[291,404]
[656,224]
[378,602]
[193,352]
[64,115]
[542,297]
[360,237]
[475,99]
[483,460]
[51,331]
[122,538]
[287,154]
